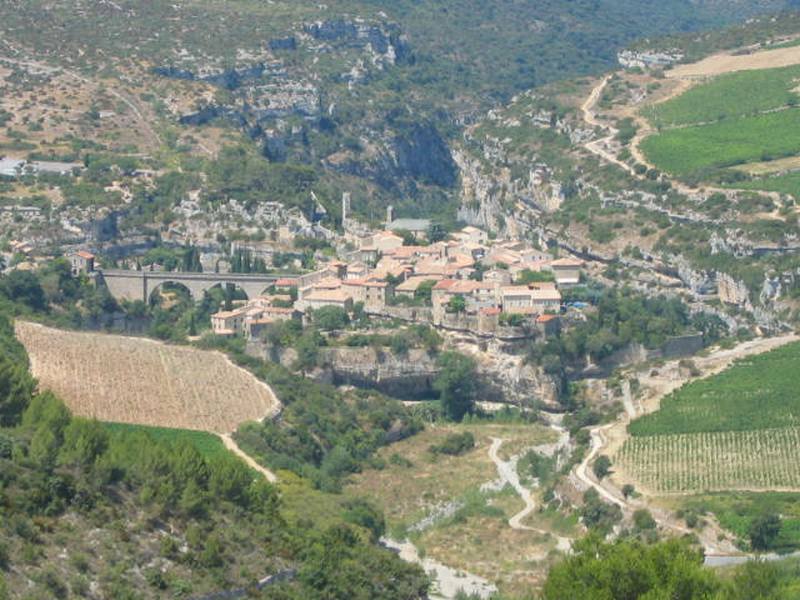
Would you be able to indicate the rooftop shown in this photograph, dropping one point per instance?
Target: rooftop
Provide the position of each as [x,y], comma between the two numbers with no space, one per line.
[414,225]
[567,262]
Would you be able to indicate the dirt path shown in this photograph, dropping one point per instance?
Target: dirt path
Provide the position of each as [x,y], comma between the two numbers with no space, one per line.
[608,439]
[448,583]
[600,146]
[509,474]
[231,445]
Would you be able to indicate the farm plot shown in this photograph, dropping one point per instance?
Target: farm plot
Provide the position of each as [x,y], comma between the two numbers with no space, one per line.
[729,96]
[710,462]
[687,150]
[760,392]
[130,380]
[738,430]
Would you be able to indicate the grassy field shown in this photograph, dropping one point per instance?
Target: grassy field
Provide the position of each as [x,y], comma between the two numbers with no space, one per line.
[729,96]
[685,151]
[131,380]
[739,429]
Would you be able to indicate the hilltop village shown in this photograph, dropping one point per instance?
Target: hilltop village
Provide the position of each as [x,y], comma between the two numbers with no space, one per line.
[466,282]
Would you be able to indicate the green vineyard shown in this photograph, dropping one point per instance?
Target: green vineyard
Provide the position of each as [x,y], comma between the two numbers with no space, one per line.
[733,460]
[738,430]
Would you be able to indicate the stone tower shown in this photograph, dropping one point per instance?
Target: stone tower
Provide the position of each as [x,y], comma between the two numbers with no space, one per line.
[389,215]
[345,208]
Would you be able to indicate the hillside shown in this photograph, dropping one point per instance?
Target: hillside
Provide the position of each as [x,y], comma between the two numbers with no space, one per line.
[356,91]
[100,511]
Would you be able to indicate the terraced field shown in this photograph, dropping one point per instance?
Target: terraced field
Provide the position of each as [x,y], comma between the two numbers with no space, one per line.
[131,380]
[738,430]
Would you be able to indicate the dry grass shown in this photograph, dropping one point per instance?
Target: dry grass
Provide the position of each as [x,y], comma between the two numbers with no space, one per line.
[479,540]
[728,63]
[407,494]
[791,163]
[139,381]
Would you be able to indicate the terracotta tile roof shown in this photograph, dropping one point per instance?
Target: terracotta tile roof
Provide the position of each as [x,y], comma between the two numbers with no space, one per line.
[337,295]
[286,282]
[546,318]
[84,254]
[412,283]
[445,284]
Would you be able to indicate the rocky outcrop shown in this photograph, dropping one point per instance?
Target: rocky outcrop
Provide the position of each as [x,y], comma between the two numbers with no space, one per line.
[385,40]
[422,154]
[409,376]
[508,378]
[502,377]
[733,291]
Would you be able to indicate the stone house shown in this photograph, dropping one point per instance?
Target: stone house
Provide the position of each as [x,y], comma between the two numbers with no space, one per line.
[374,293]
[81,263]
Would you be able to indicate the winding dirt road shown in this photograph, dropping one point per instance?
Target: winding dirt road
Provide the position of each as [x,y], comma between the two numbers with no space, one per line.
[600,146]
[509,474]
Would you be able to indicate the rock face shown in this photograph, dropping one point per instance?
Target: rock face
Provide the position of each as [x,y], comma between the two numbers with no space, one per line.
[501,377]
[504,377]
[409,377]
[422,154]
[732,291]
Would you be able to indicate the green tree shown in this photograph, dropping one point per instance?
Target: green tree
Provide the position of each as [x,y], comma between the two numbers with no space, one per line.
[456,384]
[24,287]
[307,348]
[424,292]
[330,318]
[757,580]
[602,466]
[44,447]
[16,389]
[457,304]
[629,569]
[764,530]
[84,442]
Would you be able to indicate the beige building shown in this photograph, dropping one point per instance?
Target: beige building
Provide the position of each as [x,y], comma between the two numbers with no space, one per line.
[567,271]
[410,286]
[321,298]
[373,293]
[521,299]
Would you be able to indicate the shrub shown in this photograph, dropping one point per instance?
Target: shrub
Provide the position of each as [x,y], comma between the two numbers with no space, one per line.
[602,466]
[455,444]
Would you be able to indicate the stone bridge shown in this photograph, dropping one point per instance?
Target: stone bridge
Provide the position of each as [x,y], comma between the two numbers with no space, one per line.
[140,285]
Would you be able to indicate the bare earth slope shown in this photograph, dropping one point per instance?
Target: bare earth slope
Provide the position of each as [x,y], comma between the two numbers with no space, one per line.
[729,62]
[132,380]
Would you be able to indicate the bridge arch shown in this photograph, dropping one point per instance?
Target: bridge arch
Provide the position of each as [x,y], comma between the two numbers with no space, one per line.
[162,288]
[139,285]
